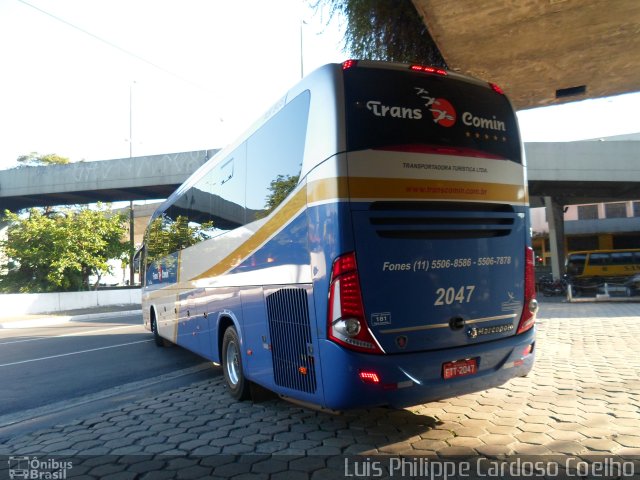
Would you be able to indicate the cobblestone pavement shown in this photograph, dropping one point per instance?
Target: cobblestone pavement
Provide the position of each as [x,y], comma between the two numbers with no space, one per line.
[582,398]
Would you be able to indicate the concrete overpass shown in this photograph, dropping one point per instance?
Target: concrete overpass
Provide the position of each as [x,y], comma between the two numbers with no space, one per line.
[570,173]
[137,178]
[583,172]
[541,52]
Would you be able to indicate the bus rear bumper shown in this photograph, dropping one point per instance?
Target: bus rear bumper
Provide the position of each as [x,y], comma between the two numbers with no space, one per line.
[416,378]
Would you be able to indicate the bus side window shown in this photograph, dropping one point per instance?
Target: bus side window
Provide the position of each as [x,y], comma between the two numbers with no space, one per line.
[216,201]
[275,154]
[575,264]
[599,259]
[622,258]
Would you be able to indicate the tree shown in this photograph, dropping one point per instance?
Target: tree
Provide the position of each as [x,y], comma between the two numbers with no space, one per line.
[59,250]
[282,186]
[34,159]
[389,30]
[166,236]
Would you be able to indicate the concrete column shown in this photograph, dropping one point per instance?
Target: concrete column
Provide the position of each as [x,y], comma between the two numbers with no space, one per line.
[555,219]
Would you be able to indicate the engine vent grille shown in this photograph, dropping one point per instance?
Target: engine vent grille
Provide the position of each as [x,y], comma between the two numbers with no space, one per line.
[291,344]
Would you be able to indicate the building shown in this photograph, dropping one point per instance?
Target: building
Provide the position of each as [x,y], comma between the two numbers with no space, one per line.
[594,226]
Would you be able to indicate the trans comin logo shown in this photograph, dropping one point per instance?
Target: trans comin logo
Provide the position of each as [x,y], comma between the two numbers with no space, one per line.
[442,112]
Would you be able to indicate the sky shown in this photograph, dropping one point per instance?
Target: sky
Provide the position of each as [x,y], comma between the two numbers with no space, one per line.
[92,80]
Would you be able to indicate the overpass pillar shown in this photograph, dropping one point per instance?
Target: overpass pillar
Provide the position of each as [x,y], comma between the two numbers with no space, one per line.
[555,218]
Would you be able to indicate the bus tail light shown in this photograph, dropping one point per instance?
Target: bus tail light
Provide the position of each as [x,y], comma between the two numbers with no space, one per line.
[347,64]
[428,69]
[496,88]
[346,322]
[530,308]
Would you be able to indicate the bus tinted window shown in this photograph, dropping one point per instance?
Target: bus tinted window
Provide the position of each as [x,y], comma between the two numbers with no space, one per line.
[275,154]
[408,110]
[622,258]
[599,259]
[219,196]
[575,263]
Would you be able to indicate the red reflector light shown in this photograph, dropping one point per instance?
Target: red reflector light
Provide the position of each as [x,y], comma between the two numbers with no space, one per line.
[369,377]
[496,88]
[347,64]
[426,69]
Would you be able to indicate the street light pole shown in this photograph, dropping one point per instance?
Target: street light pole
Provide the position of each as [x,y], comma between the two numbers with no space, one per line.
[131,218]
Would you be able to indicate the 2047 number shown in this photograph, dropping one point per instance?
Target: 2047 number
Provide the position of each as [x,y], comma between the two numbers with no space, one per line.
[451,295]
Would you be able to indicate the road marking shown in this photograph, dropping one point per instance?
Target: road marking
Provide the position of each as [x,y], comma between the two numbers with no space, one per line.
[74,353]
[68,334]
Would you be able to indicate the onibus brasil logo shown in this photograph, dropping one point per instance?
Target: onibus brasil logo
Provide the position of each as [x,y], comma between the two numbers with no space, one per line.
[34,468]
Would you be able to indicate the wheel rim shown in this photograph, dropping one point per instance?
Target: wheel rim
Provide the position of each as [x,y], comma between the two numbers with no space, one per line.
[232,363]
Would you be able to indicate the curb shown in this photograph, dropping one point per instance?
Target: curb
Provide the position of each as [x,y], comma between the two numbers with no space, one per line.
[57,320]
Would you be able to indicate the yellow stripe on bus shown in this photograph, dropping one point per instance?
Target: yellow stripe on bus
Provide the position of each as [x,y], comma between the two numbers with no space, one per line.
[418,189]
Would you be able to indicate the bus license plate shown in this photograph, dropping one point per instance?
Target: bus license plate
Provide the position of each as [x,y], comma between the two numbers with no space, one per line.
[459,368]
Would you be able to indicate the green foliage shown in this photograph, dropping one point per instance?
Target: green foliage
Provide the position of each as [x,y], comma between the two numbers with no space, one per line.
[35,159]
[282,186]
[166,236]
[59,250]
[389,30]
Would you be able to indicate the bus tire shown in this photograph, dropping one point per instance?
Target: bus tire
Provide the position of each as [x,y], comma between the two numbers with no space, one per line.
[232,368]
[154,329]
[159,341]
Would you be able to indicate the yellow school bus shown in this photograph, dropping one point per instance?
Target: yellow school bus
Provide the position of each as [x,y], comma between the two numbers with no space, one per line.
[590,264]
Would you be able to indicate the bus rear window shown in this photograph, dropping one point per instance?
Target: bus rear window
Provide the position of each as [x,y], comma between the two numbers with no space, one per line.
[409,111]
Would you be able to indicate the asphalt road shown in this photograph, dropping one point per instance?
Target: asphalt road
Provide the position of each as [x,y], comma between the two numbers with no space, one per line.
[52,368]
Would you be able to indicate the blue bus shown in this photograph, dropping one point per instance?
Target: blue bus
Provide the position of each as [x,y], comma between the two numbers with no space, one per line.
[365,243]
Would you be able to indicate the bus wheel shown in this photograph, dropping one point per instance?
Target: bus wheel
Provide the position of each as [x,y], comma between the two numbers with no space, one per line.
[154,328]
[232,365]
[159,341]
